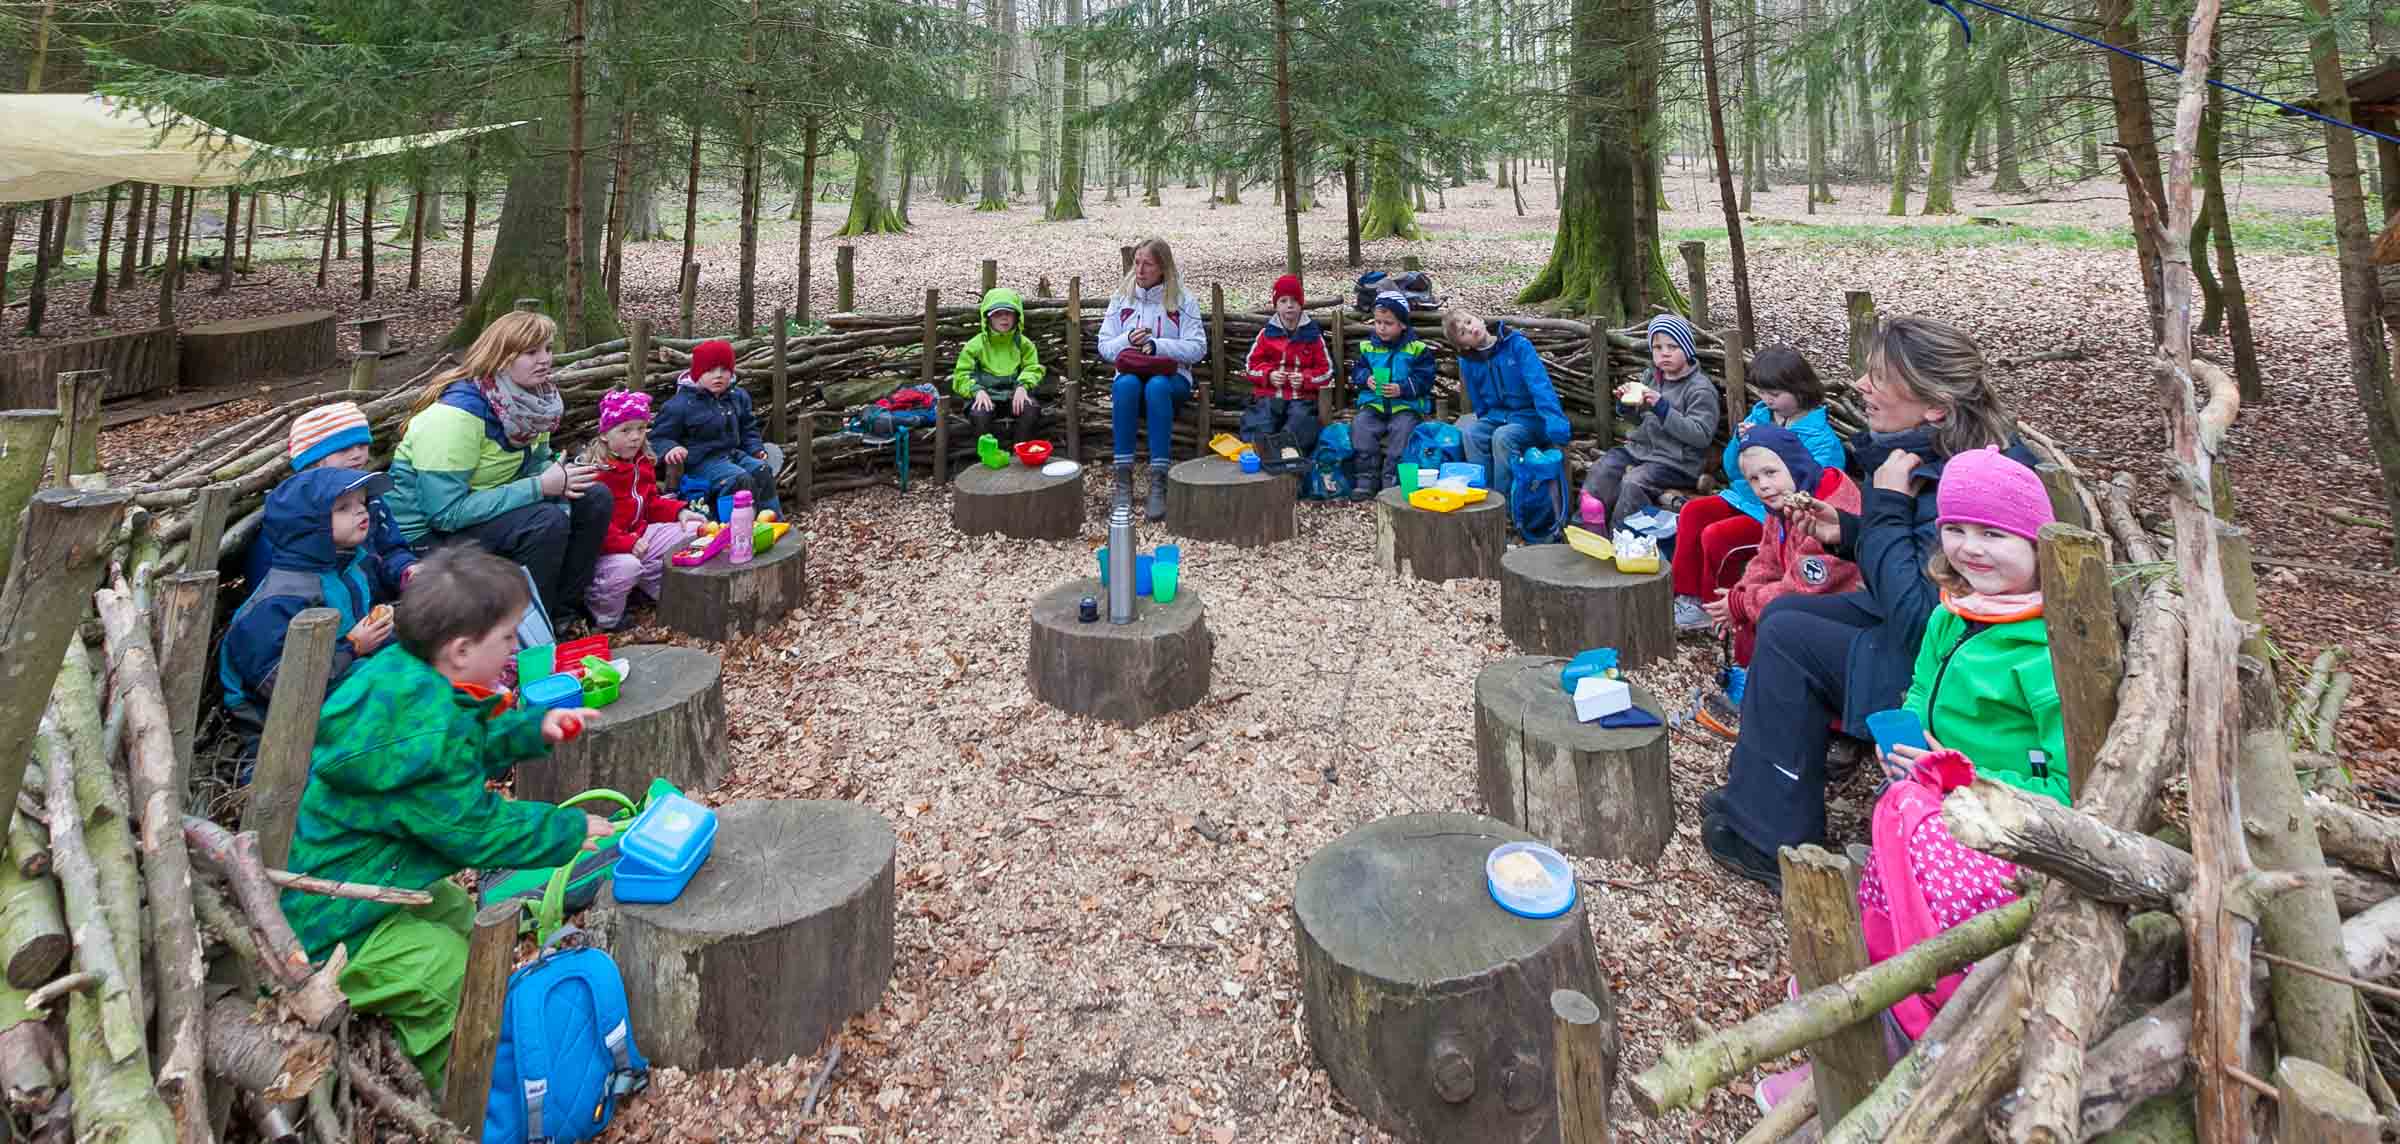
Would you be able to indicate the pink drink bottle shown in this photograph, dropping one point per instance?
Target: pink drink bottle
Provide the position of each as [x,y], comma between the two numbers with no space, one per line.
[744,522]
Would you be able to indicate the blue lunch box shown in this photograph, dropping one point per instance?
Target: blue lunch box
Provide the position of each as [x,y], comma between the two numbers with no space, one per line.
[663,848]
[556,692]
[1472,472]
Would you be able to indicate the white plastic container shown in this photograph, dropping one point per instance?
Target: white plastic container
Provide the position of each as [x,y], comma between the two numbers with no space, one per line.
[1595,697]
[1549,893]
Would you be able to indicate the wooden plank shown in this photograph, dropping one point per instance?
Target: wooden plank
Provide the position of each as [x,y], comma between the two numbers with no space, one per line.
[1821,914]
[1585,1040]
[778,418]
[291,733]
[77,448]
[187,611]
[2087,652]
[1072,400]
[210,506]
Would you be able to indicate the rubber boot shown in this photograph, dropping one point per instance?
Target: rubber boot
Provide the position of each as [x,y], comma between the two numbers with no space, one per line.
[1122,493]
[1157,509]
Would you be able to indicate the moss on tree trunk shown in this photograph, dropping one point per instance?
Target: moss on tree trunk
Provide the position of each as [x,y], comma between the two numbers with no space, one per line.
[869,212]
[529,251]
[1389,212]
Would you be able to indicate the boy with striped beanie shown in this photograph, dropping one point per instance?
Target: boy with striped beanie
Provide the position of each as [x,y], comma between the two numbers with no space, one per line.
[337,436]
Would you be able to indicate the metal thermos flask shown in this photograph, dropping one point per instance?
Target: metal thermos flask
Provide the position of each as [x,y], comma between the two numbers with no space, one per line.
[1120,564]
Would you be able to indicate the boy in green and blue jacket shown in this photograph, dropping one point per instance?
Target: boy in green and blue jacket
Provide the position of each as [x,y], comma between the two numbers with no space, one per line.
[1394,379]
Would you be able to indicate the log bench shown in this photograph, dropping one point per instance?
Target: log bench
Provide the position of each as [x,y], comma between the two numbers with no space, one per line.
[1461,545]
[720,600]
[245,349]
[669,723]
[785,933]
[1427,1004]
[1211,498]
[1557,601]
[1125,673]
[1581,787]
[1017,501]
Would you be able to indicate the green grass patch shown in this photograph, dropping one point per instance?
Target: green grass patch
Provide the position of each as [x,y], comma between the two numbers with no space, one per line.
[2267,233]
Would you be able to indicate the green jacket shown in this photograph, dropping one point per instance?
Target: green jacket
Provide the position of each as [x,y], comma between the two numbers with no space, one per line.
[454,468]
[1003,355]
[1986,691]
[396,795]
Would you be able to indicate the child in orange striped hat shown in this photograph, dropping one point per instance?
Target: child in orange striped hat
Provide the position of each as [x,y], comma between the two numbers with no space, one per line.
[337,436]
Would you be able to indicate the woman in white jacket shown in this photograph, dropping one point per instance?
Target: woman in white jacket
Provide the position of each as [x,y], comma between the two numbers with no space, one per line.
[1152,334]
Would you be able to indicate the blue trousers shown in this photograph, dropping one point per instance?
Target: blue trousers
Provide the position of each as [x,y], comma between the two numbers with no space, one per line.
[727,471]
[1495,445]
[1147,403]
[1377,440]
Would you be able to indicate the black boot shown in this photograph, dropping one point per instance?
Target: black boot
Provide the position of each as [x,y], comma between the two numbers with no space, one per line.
[1122,493]
[1157,509]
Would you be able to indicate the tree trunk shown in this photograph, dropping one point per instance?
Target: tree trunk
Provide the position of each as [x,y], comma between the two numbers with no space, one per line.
[691,216]
[1350,202]
[437,223]
[1746,324]
[870,211]
[745,304]
[2131,101]
[529,256]
[141,200]
[642,223]
[466,233]
[999,143]
[1814,87]
[1956,129]
[1389,212]
[620,189]
[2008,178]
[577,242]
[37,301]
[806,244]
[1067,200]
[2220,226]
[954,166]
[1754,110]
[366,242]
[1596,266]
[1286,146]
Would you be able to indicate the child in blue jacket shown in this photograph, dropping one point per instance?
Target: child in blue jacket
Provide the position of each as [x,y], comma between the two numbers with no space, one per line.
[708,428]
[1515,406]
[1394,379]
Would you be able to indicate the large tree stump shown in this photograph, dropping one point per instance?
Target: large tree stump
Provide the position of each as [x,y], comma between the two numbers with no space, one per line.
[1582,787]
[783,935]
[1461,545]
[1017,501]
[1557,601]
[1428,1004]
[1211,498]
[669,723]
[1125,673]
[720,600]
[247,349]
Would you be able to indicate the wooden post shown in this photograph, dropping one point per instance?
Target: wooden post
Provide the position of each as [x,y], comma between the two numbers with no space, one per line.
[933,334]
[1737,377]
[1072,399]
[637,355]
[691,298]
[362,371]
[1341,372]
[108,220]
[2087,653]
[941,438]
[991,274]
[1604,399]
[1862,328]
[49,585]
[416,237]
[529,305]
[210,505]
[466,236]
[25,442]
[187,611]
[1124,260]
[1585,1039]
[2315,1105]
[804,455]
[491,952]
[845,278]
[77,449]
[2064,504]
[1216,368]
[1695,269]
[170,277]
[1821,912]
[779,424]
[291,733]
[366,241]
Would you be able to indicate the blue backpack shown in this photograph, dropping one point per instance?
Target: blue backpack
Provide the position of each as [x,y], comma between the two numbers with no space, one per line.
[566,1054]
[1328,476]
[1537,496]
[1434,444]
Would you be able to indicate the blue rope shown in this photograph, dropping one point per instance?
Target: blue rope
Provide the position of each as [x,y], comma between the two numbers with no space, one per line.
[2154,62]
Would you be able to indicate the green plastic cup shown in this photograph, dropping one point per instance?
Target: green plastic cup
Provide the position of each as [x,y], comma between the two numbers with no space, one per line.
[1408,479]
[1162,581]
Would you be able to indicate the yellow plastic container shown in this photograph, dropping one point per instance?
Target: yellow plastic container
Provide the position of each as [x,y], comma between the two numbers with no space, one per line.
[1590,543]
[1637,565]
[1437,500]
[1228,446]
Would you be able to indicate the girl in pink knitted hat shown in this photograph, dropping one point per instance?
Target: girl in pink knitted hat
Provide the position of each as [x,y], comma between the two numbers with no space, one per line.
[644,528]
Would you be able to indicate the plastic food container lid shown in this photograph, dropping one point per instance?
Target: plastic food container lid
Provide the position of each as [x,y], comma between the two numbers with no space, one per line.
[1547,897]
[1061,469]
[554,691]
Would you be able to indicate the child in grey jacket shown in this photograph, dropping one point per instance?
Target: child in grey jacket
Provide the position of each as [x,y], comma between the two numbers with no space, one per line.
[1680,409]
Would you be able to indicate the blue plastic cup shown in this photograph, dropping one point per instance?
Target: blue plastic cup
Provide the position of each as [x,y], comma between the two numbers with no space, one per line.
[1141,575]
[1168,553]
[1104,566]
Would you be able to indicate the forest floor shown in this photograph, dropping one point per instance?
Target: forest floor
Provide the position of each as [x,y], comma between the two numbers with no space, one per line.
[1094,938]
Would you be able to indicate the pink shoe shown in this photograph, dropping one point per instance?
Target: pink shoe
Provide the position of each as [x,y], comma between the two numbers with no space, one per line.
[1778,1088]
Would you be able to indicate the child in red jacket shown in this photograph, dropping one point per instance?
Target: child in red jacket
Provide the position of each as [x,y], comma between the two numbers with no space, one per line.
[1780,469]
[1287,366]
[644,528]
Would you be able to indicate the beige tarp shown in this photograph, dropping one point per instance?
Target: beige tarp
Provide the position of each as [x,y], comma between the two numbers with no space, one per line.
[56,145]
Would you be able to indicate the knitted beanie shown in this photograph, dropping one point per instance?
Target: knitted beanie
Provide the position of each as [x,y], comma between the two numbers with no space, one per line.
[710,355]
[1785,444]
[326,430]
[1396,303]
[1682,333]
[1288,286]
[1989,488]
[619,406]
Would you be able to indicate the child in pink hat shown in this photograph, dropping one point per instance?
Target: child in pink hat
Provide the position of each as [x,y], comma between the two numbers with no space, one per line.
[644,528]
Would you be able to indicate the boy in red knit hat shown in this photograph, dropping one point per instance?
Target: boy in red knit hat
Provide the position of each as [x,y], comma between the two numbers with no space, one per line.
[1288,364]
[709,429]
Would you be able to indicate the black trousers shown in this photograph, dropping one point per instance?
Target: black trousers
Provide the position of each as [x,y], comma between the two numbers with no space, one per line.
[558,542]
[1027,425]
[1798,678]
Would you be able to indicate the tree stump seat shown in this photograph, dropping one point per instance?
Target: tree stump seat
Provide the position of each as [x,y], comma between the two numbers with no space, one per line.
[1211,498]
[1581,787]
[1557,601]
[1017,501]
[247,349]
[1427,1004]
[669,723]
[1463,545]
[1125,673]
[785,933]
[720,600]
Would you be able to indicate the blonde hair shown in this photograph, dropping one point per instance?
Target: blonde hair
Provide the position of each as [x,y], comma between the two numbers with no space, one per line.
[1168,276]
[1944,577]
[1454,320]
[516,332]
[1938,364]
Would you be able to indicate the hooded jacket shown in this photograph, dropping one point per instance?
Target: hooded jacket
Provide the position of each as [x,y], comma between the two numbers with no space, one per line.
[1409,362]
[308,572]
[386,548]
[1177,328]
[1986,690]
[1813,430]
[1790,560]
[396,795]
[1506,382]
[706,425]
[455,469]
[1678,430]
[634,503]
[1301,347]
[1010,355]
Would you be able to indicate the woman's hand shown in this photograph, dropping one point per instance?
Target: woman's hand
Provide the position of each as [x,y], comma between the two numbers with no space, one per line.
[553,480]
[982,402]
[691,516]
[596,830]
[674,456]
[1894,473]
[563,725]
[370,633]
[1138,336]
[580,479]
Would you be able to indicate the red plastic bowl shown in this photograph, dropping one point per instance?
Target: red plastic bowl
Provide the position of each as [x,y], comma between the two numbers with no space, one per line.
[1033,453]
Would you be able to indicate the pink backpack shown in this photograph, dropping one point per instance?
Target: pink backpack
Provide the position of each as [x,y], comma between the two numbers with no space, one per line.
[1905,916]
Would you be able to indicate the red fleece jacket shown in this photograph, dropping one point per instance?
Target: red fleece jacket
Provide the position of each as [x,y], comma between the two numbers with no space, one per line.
[1277,348]
[637,506]
[1790,561]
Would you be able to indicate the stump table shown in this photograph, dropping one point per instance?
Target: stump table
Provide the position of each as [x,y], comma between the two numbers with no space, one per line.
[1429,1005]
[1461,545]
[253,349]
[1211,498]
[669,723]
[1125,673]
[1557,601]
[1581,787]
[720,600]
[1017,501]
[784,934]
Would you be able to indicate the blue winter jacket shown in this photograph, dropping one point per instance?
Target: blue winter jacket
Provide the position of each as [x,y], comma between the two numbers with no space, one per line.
[386,548]
[308,572]
[1823,444]
[1410,363]
[707,425]
[1506,382]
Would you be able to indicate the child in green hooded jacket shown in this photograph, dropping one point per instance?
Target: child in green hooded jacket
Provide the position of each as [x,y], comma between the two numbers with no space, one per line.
[999,367]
